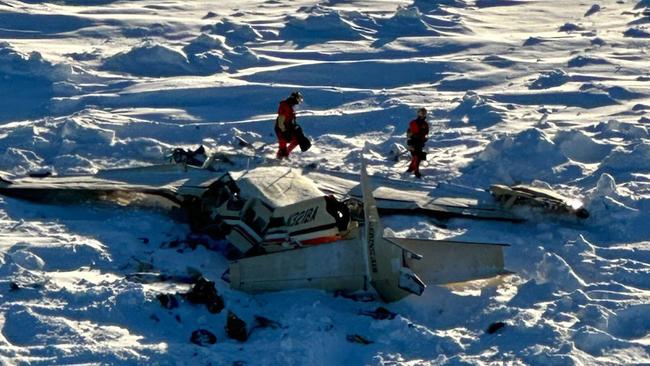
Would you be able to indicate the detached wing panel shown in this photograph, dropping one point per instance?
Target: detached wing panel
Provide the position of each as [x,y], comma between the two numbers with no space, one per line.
[70,190]
[171,182]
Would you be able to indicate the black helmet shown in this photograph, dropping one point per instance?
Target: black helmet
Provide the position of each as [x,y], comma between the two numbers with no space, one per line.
[297,96]
[422,110]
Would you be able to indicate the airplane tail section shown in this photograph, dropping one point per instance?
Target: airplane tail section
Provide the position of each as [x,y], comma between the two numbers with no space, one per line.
[386,261]
[397,267]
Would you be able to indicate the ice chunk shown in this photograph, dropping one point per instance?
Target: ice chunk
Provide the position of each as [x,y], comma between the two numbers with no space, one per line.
[149,59]
[204,43]
[528,155]
[554,269]
[619,129]
[27,260]
[407,21]
[475,109]
[635,160]
[234,32]
[637,32]
[83,131]
[20,161]
[571,27]
[578,146]
[14,63]
[322,25]
[550,79]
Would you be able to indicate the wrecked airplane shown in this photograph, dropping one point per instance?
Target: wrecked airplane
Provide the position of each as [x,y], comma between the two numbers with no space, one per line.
[546,199]
[394,267]
[288,232]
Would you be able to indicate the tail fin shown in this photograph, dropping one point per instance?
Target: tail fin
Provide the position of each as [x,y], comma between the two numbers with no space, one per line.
[386,261]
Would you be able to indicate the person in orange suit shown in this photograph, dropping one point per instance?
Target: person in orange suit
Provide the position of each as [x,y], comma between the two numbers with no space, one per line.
[416,135]
[285,125]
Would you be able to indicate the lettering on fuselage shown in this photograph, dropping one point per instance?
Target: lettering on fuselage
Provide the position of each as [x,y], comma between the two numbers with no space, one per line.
[303,217]
[371,246]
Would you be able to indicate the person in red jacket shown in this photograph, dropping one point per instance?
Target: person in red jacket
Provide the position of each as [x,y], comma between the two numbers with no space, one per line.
[285,125]
[416,136]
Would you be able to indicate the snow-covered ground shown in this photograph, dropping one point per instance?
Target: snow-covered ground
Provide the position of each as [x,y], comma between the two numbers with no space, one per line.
[519,90]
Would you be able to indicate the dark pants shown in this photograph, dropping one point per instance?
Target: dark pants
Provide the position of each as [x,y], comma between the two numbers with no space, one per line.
[417,155]
[285,138]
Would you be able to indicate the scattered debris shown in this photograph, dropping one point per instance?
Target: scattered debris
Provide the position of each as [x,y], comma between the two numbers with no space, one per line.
[550,200]
[381,313]
[241,142]
[262,322]
[195,157]
[192,241]
[355,338]
[204,292]
[495,327]
[168,301]
[203,337]
[236,328]
[13,286]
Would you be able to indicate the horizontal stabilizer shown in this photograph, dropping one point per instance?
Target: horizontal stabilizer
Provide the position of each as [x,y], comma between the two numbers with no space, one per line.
[445,262]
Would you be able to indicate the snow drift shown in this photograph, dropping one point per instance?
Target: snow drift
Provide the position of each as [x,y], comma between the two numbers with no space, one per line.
[528,155]
[319,26]
[552,93]
[17,64]
[149,59]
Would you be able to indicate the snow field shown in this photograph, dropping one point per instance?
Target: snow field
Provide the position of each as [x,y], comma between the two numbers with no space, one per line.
[552,92]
